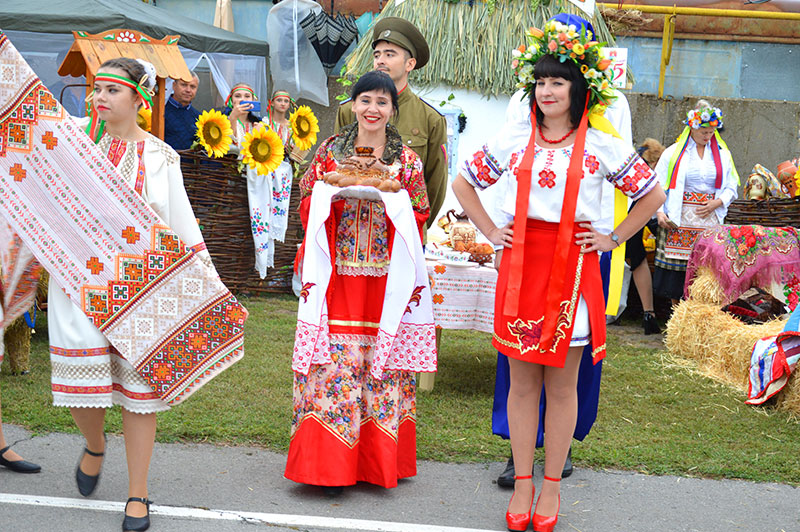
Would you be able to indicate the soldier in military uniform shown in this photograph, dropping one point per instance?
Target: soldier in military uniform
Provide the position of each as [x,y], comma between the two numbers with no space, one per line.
[398,48]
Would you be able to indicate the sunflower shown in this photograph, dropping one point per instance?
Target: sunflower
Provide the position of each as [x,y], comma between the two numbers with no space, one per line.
[305,127]
[214,131]
[144,119]
[262,150]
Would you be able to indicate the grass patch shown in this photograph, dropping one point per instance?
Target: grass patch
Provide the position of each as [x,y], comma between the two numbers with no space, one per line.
[656,416]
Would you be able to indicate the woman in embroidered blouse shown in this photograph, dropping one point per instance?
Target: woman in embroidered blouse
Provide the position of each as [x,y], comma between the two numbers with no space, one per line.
[268,195]
[700,179]
[88,375]
[349,426]
[542,321]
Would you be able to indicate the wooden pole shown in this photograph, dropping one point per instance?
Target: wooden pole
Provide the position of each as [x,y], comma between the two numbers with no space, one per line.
[157,127]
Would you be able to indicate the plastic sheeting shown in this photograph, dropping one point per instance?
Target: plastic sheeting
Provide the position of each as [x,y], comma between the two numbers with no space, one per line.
[230,69]
[294,64]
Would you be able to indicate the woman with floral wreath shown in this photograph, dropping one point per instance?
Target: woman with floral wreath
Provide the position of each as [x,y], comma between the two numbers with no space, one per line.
[543,321]
[700,180]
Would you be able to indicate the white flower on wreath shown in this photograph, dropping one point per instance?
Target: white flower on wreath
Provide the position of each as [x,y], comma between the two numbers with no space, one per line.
[516,53]
[126,36]
[706,116]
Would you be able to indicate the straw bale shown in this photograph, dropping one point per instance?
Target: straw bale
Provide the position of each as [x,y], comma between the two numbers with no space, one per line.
[17,339]
[706,288]
[789,397]
[720,344]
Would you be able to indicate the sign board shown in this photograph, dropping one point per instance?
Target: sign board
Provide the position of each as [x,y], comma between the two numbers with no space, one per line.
[619,66]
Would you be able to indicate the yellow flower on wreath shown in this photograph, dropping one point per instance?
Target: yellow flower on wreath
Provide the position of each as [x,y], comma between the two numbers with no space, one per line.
[144,119]
[214,131]
[305,127]
[262,150]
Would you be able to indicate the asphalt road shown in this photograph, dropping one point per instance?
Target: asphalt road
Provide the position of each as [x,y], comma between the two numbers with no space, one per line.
[197,487]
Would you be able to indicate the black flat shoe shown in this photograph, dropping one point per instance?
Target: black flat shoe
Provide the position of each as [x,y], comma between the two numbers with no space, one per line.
[567,471]
[136,524]
[18,466]
[87,483]
[650,324]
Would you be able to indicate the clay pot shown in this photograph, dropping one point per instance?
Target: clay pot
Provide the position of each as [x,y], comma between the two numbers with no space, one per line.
[786,173]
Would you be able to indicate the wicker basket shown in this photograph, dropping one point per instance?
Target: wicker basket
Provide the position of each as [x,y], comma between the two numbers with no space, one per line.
[218,193]
[769,212]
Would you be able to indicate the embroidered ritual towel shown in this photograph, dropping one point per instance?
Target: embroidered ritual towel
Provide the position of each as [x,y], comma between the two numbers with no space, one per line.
[406,334]
[151,295]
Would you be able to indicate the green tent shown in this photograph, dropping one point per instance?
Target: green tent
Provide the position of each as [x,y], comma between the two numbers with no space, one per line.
[95,16]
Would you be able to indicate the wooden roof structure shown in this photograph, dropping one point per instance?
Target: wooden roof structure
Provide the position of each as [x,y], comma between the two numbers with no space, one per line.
[89,51]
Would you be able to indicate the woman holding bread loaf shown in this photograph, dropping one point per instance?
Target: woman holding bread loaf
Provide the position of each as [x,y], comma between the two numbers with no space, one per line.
[365,322]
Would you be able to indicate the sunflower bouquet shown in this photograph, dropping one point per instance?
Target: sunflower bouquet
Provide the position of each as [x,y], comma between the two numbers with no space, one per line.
[565,43]
[214,133]
[262,150]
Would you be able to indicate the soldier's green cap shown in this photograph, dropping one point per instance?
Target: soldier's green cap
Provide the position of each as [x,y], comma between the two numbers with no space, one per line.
[401,32]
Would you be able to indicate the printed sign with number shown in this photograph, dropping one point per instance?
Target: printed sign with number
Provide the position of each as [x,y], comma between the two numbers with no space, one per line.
[619,66]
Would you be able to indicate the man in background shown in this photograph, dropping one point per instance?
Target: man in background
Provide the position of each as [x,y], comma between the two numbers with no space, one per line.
[398,48]
[180,116]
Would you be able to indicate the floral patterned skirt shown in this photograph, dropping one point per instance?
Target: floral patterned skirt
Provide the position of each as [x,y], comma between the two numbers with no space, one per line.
[349,427]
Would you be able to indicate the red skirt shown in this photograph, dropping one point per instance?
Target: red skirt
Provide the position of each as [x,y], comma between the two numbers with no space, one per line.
[518,336]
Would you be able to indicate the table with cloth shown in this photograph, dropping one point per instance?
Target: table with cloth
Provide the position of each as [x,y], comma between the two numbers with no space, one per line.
[463,298]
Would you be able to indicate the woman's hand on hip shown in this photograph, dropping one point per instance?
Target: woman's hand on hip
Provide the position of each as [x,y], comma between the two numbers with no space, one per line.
[592,240]
[708,208]
[664,221]
[502,236]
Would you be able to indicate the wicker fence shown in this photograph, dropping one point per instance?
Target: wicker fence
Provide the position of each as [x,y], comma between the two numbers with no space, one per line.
[218,193]
[769,212]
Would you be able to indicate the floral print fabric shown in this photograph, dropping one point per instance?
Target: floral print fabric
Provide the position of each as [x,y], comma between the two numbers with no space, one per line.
[343,395]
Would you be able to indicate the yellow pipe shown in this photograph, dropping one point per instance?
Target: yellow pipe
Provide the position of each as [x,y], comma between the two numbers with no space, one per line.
[701,11]
[666,50]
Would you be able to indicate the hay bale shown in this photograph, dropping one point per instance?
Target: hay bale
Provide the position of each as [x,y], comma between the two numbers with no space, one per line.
[789,397]
[720,344]
[17,339]
[706,288]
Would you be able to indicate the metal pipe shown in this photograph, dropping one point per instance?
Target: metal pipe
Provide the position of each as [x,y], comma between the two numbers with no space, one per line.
[702,11]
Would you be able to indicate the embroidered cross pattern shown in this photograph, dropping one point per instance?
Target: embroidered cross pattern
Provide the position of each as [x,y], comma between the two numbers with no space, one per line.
[49,140]
[94,265]
[17,172]
[130,235]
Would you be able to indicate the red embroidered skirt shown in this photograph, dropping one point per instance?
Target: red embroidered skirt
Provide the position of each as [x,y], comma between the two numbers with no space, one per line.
[518,336]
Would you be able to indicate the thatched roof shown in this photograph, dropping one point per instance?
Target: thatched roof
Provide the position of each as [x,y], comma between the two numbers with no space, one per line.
[471,47]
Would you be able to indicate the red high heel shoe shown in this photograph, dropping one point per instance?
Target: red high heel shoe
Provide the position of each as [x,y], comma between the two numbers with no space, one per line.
[546,523]
[519,522]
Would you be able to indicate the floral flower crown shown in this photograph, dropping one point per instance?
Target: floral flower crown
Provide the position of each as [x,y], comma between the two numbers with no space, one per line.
[565,42]
[704,117]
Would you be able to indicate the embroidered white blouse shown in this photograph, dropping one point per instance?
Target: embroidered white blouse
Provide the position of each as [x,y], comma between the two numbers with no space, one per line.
[605,158]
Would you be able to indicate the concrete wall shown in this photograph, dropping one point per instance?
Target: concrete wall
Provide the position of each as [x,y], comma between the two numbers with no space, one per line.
[756,131]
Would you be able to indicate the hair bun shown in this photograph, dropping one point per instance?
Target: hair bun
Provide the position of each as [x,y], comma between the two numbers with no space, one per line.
[150,70]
